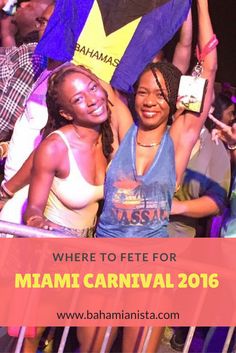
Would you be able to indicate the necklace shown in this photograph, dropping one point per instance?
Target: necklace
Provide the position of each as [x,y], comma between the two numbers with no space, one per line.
[149,144]
[153,144]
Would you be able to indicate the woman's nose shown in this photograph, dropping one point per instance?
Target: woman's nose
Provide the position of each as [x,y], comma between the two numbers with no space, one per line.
[91,99]
[150,100]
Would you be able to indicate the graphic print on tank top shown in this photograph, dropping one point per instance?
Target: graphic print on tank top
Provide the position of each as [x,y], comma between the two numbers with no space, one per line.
[138,205]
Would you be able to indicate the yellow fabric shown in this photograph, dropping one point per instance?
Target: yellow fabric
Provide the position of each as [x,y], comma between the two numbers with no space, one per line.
[99,52]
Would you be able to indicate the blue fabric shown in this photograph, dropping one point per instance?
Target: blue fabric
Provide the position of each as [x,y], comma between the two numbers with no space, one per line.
[155,29]
[138,206]
[229,227]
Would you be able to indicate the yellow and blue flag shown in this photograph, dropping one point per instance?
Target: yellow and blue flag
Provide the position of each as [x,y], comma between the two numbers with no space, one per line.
[116,39]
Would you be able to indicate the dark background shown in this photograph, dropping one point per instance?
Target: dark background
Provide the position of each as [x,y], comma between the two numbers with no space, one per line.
[223,15]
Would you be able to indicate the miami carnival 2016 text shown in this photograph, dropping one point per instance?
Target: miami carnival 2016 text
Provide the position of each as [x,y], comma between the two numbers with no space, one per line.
[114,280]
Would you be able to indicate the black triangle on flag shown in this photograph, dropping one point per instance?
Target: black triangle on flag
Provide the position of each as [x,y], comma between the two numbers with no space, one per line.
[118,13]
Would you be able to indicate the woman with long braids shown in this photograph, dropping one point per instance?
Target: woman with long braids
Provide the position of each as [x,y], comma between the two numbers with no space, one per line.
[69,165]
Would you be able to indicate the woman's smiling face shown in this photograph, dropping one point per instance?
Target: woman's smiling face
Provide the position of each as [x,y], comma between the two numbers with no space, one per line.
[83,99]
[150,104]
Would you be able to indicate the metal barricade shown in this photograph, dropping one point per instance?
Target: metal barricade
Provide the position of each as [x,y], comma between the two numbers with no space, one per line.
[18,230]
[22,231]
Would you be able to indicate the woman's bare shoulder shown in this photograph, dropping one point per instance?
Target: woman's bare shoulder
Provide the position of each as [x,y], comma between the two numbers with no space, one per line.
[51,149]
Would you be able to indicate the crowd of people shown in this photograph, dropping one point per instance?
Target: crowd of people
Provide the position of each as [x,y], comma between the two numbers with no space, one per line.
[86,160]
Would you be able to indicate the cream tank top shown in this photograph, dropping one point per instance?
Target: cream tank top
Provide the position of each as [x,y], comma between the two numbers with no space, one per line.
[73,202]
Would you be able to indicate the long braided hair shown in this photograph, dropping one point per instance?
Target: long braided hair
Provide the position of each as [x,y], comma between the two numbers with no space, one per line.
[56,120]
[171,75]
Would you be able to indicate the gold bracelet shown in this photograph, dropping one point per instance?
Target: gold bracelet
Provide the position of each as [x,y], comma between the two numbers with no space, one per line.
[177,187]
[231,147]
[32,218]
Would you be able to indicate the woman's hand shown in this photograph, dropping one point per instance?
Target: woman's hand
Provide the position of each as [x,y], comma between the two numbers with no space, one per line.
[3,199]
[224,132]
[39,221]
[5,195]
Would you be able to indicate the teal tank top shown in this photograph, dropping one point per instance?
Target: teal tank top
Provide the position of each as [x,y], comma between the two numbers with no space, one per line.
[138,205]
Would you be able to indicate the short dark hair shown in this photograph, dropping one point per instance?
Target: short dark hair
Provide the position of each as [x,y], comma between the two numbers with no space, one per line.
[221,103]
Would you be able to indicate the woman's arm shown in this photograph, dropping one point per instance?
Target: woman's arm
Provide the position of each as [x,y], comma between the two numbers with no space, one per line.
[182,53]
[17,182]
[22,177]
[214,184]
[121,118]
[202,207]
[186,129]
[46,162]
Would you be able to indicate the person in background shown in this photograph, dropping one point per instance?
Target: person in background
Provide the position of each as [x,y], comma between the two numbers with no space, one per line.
[20,28]
[223,110]
[203,194]
[26,133]
[223,118]
[34,115]
[19,69]
[203,191]
[227,134]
